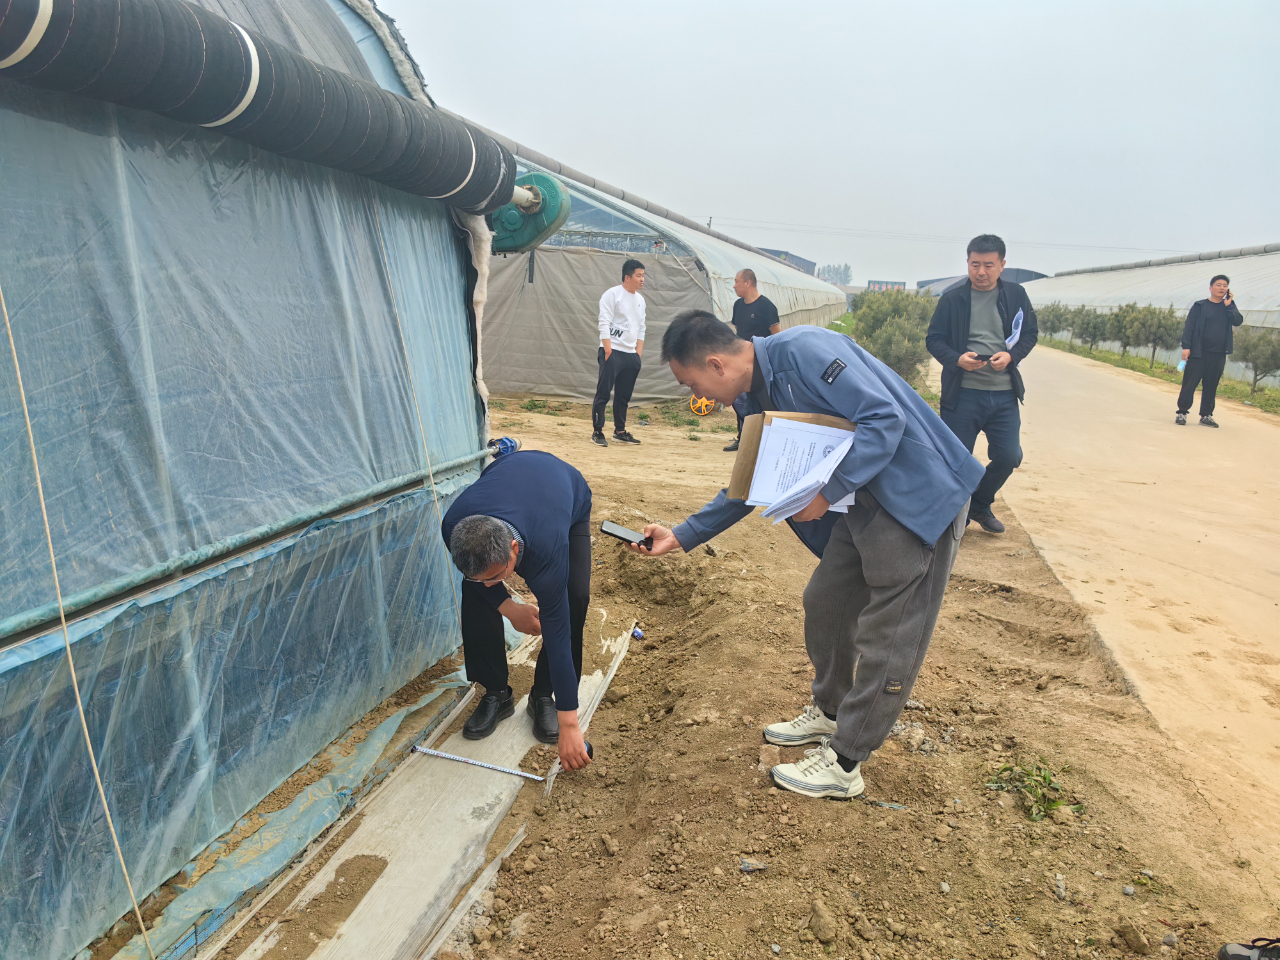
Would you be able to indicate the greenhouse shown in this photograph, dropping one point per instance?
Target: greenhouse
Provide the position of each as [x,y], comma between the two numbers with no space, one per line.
[539,333]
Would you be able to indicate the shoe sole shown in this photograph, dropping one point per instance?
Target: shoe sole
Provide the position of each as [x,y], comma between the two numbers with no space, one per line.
[619,440]
[507,711]
[795,739]
[807,790]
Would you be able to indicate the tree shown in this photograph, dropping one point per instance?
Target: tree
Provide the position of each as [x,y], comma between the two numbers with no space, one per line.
[1120,325]
[840,273]
[1053,318]
[1259,349]
[1089,325]
[891,325]
[1155,327]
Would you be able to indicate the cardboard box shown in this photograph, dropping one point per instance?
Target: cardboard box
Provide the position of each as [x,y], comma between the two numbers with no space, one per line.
[744,465]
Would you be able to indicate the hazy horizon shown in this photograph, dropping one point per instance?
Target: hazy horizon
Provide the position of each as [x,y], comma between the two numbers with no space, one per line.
[886,137]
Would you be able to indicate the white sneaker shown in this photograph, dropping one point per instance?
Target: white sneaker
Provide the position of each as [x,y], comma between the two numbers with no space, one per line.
[810,727]
[819,774]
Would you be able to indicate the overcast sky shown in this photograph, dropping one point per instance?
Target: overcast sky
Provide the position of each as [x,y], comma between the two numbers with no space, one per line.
[885,135]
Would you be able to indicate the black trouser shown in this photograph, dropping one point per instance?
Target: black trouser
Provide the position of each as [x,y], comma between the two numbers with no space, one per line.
[483,641]
[617,375]
[995,413]
[1207,368]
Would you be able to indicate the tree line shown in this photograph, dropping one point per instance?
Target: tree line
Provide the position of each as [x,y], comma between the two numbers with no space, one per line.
[892,325]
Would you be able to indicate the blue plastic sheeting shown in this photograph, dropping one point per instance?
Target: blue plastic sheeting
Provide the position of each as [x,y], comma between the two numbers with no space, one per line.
[202,698]
[209,342]
[371,49]
[217,345]
[198,913]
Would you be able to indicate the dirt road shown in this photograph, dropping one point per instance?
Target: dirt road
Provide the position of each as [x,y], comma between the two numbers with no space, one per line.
[1170,537]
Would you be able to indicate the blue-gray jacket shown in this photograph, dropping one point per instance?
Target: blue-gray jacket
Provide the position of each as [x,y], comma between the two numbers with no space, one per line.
[902,452]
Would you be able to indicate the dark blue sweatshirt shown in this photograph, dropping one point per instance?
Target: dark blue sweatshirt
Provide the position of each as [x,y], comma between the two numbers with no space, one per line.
[542,497]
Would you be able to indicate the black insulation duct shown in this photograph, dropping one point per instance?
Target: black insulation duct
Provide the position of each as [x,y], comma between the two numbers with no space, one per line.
[188,64]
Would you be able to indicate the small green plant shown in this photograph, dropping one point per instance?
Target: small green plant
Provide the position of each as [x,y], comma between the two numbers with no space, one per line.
[498,404]
[534,406]
[1036,785]
[693,436]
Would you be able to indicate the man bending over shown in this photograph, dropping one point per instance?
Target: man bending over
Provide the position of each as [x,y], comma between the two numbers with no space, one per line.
[529,513]
[873,600]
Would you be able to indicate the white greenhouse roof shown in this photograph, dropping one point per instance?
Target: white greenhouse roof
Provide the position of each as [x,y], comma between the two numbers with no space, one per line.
[790,290]
[1255,283]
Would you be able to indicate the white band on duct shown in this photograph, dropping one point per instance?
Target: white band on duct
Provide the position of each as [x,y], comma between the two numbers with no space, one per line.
[34,36]
[469,172]
[253,81]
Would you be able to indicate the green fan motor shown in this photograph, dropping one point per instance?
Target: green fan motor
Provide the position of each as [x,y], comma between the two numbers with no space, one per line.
[540,208]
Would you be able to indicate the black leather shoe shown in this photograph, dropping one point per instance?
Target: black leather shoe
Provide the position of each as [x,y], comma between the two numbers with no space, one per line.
[987,521]
[492,708]
[546,723]
[731,447]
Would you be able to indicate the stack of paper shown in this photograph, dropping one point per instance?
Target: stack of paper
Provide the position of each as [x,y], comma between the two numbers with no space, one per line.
[795,462]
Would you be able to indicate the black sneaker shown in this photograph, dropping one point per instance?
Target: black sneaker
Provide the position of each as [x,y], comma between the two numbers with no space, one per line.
[987,520]
[546,722]
[731,447]
[492,708]
[1208,422]
[598,437]
[1261,949]
[624,437]
[1180,419]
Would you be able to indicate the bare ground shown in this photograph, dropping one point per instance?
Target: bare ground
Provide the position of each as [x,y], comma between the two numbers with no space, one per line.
[641,855]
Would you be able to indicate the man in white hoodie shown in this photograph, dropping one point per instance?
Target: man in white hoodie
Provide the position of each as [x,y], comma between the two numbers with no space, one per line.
[621,344]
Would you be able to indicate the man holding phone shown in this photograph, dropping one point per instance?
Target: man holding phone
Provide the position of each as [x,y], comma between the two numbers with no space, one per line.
[529,513]
[872,603]
[1206,340]
[980,332]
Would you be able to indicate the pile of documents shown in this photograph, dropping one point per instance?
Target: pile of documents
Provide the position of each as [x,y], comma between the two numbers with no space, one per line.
[795,461]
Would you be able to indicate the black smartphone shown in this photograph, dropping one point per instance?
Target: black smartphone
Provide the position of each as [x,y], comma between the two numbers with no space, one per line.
[984,357]
[609,528]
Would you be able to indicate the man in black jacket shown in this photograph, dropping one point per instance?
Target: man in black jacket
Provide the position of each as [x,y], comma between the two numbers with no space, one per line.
[1206,341]
[980,332]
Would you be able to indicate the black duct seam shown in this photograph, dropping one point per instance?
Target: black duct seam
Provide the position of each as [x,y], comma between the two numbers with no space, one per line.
[188,64]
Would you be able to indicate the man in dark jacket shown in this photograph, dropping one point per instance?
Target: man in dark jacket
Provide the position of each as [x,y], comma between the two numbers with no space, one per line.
[529,513]
[980,333]
[1206,340]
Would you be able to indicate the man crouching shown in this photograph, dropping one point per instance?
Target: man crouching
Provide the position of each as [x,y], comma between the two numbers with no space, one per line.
[529,513]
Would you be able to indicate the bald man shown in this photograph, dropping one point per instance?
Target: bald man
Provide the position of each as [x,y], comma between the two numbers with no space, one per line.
[754,315]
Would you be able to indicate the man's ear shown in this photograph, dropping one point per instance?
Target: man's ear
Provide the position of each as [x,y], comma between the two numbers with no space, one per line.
[715,364]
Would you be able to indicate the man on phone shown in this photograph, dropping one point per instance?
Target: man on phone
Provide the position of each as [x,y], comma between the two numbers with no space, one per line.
[1206,340]
[980,332]
[621,344]
[754,315]
[872,603]
[529,513]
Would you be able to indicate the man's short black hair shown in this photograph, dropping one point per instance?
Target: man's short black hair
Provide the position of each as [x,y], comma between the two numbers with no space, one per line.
[748,275]
[986,243]
[630,267]
[1221,276]
[695,334]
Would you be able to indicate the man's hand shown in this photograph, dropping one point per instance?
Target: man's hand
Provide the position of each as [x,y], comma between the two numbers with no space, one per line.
[664,541]
[970,361]
[573,751]
[1228,298]
[608,348]
[639,348]
[1186,354]
[523,616]
[1001,360]
[816,508]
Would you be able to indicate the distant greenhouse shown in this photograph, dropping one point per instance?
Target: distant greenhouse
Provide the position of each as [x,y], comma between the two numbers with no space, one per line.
[1175,282]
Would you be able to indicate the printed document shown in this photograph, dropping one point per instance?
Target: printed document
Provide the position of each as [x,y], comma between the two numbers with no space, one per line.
[796,460]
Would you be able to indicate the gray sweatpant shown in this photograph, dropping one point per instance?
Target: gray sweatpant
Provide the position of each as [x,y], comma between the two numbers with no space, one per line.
[871,606]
